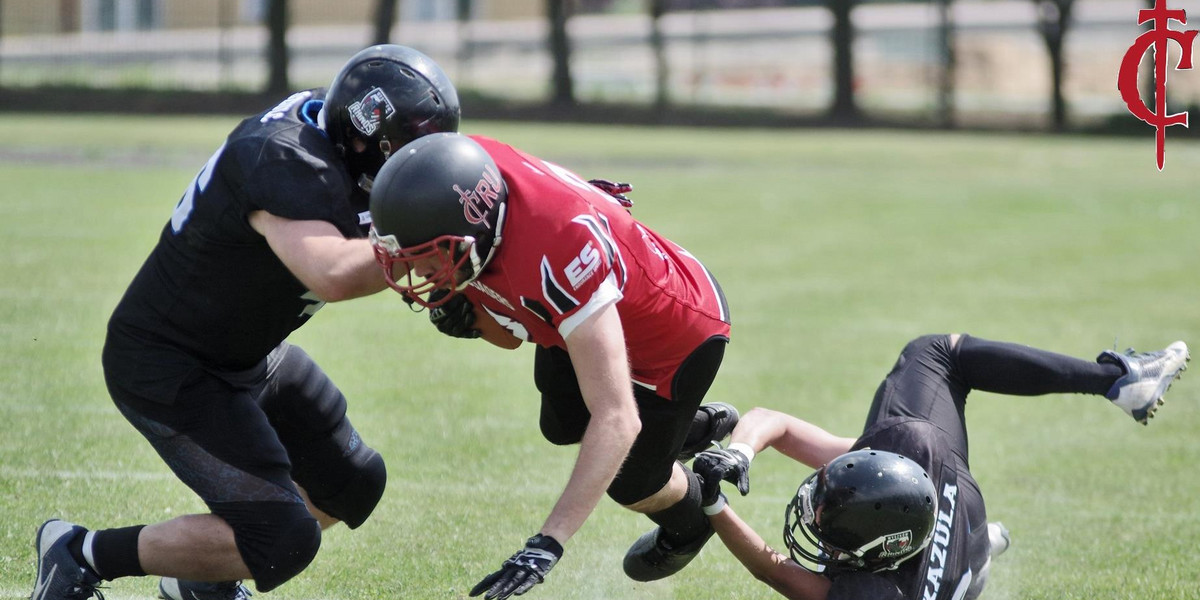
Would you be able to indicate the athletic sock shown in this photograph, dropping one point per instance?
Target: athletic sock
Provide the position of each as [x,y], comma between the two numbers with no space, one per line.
[1018,370]
[75,547]
[113,553]
[684,522]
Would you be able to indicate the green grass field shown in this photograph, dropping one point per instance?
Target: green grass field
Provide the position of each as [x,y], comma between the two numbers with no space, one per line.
[835,248]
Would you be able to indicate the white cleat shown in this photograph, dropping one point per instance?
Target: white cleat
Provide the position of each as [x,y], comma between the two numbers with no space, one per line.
[1148,375]
[998,538]
[170,588]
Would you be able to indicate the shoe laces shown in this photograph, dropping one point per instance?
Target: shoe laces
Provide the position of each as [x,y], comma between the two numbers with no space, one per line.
[240,592]
[1151,364]
[81,591]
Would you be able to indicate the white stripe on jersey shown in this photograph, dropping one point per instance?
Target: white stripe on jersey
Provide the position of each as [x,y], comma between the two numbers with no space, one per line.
[550,287]
[653,388]
[721,308]
[606,293]
[604,236]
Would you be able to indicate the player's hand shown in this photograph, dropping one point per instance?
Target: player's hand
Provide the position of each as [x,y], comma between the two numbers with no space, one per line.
[615,189]
[523,570]
[713,466]
[455,318]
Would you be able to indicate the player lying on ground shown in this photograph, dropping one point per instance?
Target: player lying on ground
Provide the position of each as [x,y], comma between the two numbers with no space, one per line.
[896,514]
[196,358]
[630,328]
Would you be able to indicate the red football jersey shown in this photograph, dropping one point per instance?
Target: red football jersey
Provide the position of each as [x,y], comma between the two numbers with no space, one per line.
[568,250]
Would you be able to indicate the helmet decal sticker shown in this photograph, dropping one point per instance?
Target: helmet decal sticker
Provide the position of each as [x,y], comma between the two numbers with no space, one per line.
[479,201]
[897,544]
[367,113]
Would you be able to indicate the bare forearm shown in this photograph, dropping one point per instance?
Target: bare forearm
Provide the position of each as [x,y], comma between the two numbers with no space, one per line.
[776,570]
[796,438]
[331,266]
[597,350]
[601,453]
[355,271]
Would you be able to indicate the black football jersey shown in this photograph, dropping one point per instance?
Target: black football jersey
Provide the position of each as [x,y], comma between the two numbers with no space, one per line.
[212,289]
[945,569]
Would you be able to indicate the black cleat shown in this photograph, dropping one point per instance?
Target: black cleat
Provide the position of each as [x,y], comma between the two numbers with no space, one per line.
[714,421]
[651,558]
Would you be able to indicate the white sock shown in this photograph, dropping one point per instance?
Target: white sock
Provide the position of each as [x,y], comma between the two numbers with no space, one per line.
[88,538]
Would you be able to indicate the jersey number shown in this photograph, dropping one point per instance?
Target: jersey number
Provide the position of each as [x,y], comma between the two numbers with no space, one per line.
[576,181]
[183,210]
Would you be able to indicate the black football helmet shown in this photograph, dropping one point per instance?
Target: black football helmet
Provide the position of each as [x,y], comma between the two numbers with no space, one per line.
[439,196]
[867,510]
[384,97]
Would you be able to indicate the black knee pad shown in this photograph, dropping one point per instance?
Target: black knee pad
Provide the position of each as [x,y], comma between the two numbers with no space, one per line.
[564,415]
[341,474]
[684,521]
[277,540]
[355,501]
[562,427]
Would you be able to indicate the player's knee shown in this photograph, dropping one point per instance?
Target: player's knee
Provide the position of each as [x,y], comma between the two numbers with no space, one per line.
[288,553]
[925,344]
[561,431]
[921,342]
[559,436]
[356,500]
[640,490]
[277,540]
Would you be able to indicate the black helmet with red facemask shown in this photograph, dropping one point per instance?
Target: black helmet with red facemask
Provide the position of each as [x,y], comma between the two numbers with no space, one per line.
[440,198]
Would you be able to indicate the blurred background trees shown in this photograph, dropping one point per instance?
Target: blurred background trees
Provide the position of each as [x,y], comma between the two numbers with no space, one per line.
[945,63]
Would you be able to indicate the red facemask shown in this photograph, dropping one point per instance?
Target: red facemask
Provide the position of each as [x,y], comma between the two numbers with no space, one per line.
[453,254]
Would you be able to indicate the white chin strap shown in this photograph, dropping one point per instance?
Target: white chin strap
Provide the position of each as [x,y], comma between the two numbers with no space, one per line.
[479,262]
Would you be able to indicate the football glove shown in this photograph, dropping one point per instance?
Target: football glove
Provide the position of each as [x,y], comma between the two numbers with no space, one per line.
[455,318]
[523,570]
[713,466]
[615,189]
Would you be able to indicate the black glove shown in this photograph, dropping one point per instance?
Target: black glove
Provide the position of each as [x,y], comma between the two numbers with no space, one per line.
[712,466]
[615,189]
[456,317]
[523,570]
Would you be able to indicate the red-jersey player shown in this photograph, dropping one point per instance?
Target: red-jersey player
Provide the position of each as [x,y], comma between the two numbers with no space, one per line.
[630,329]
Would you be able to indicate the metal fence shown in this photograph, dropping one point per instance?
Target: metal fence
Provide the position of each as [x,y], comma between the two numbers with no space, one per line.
[770,58]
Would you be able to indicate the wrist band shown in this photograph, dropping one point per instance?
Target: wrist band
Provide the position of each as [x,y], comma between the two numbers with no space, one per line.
[745,449]
[715,507]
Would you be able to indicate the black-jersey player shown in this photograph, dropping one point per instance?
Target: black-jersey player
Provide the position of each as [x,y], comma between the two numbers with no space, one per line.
[196,358]
[895,514]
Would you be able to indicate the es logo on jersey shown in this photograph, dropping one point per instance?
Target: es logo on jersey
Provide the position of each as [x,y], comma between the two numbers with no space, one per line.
[370,111]
[582,266]
[478,202]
